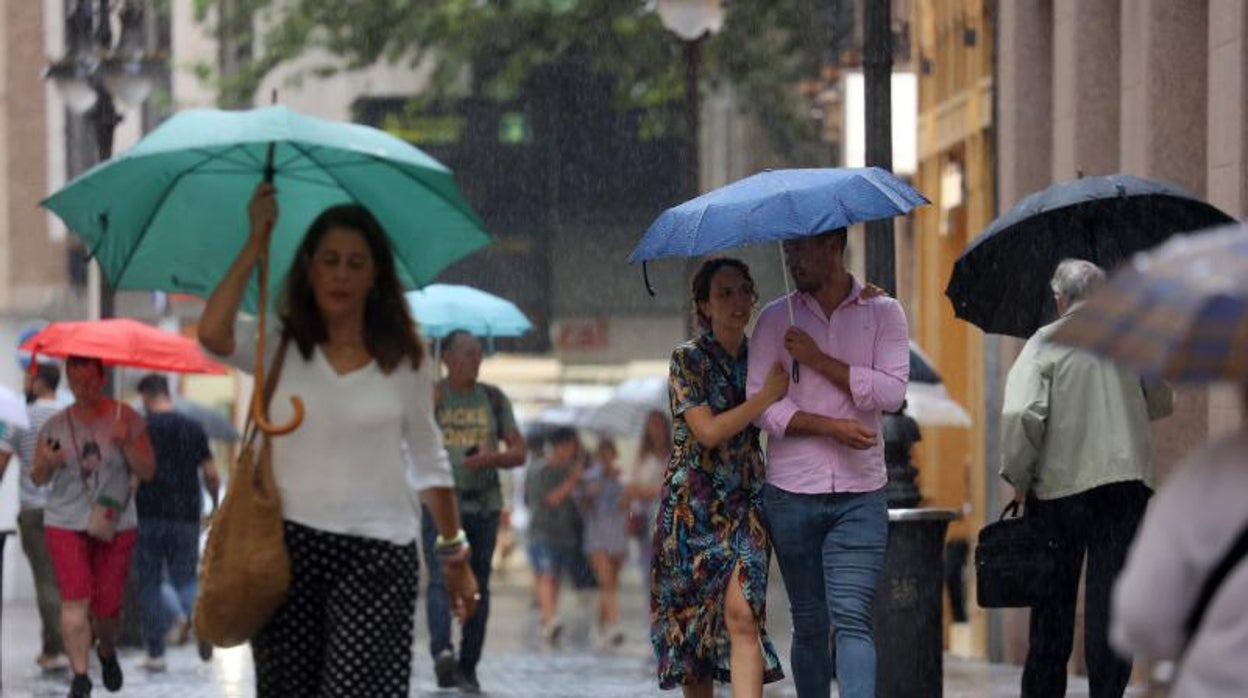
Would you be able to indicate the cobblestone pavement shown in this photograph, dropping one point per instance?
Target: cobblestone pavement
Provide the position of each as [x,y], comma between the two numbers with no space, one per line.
[514,665]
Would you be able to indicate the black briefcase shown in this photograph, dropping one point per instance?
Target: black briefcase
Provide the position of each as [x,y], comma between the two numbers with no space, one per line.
[1015,560]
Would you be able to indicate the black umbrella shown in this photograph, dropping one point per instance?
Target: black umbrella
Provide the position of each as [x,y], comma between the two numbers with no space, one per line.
[216,425]
[921,368]
[1001,282]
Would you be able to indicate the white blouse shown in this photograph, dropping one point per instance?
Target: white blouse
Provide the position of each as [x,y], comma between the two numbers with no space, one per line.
[368,443]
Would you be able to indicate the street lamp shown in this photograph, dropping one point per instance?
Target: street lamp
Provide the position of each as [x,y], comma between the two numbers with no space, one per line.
[692,21]
[93,71]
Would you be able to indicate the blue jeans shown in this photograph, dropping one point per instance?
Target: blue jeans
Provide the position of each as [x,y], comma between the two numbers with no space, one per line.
[172,546]
[482,531]
[830,548]
[545,558]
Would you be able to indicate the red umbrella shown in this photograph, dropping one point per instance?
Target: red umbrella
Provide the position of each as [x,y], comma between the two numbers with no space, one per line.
[122,342]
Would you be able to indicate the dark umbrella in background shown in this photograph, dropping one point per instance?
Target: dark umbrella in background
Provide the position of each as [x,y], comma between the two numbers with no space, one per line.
[921,368]
[1001,282]
[215,424]
[927,400]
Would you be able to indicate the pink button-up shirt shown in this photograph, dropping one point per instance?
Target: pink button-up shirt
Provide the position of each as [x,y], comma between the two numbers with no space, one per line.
[869,335]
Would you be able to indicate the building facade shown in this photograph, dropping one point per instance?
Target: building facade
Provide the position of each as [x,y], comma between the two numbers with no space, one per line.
[954,45]
[1017,95]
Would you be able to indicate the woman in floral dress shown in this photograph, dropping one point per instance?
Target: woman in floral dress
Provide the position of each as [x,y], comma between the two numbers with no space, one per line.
[711,551]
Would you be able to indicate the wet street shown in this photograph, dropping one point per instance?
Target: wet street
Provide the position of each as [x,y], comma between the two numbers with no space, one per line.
[515,664]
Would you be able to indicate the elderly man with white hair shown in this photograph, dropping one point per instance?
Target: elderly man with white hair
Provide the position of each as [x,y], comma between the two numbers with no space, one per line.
[1075,444]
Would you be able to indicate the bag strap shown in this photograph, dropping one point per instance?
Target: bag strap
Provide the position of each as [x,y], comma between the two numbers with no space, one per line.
[1236,554]
[495,396]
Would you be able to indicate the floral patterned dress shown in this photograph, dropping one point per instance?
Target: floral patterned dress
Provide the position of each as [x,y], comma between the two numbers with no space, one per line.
[709,524]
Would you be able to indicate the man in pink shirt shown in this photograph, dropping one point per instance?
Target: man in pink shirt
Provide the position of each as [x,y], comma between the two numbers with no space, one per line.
[824,499]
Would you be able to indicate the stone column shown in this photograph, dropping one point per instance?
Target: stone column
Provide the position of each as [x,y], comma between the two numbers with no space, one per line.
[1165,99]
[1024,142]
[1228,150]
[1024,98]
[1227,178]
[1086,87]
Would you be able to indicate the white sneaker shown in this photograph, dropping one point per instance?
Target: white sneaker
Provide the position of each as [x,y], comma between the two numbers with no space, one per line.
[52,662]
[152,664]
[608,636]
[179,633]
[552,631]
[615,636]
[600,638]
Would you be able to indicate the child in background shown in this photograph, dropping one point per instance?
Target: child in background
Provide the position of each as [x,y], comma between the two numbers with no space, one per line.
[553,529]
[605,513]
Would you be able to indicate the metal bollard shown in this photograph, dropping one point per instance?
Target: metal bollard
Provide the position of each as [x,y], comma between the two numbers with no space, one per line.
[907,609]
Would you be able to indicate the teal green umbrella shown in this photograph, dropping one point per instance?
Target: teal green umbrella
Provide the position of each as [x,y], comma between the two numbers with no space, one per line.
[170,213]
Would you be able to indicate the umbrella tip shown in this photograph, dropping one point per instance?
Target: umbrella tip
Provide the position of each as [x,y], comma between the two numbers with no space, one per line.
[645,275]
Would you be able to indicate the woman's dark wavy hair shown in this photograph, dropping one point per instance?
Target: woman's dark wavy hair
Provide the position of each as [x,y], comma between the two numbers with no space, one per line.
[700,288]
[390,334]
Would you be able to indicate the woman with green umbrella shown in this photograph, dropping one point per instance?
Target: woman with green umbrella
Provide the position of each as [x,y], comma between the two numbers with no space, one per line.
[346,485]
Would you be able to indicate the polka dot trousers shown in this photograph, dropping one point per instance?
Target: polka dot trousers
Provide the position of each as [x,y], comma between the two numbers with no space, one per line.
[346,627]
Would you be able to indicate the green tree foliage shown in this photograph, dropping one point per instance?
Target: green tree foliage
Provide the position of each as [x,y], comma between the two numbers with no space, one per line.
[492,48]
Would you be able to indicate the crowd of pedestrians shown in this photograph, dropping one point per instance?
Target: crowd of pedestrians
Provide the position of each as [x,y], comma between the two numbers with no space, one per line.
[389,453]
[101,485]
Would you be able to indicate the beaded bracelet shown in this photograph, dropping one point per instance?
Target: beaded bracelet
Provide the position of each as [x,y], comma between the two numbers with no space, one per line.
[459,539]
[453,555]
[451,550]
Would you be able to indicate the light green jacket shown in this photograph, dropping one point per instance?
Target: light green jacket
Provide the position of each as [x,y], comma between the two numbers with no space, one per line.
[1072,421]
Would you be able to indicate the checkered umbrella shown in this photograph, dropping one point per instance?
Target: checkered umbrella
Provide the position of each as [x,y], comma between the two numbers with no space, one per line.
[1179,312]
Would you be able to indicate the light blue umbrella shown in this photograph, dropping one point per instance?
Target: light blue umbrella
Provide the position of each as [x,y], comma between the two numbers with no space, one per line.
[443,308]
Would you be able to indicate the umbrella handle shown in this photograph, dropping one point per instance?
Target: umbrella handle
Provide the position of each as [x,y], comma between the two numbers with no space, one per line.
[263,424]
[258,398]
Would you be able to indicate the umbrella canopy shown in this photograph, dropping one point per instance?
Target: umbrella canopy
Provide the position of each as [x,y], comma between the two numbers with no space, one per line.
[776,205]
[443,308]
[122,342]
[1179,312]
[12,411]
[630,405]
[562,416]
[930,405]
[215,424]
[169,214]
[922,370]
[1001,282]
[927,400]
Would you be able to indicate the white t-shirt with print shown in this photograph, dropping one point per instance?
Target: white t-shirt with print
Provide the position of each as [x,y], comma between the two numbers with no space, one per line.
[94,467]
